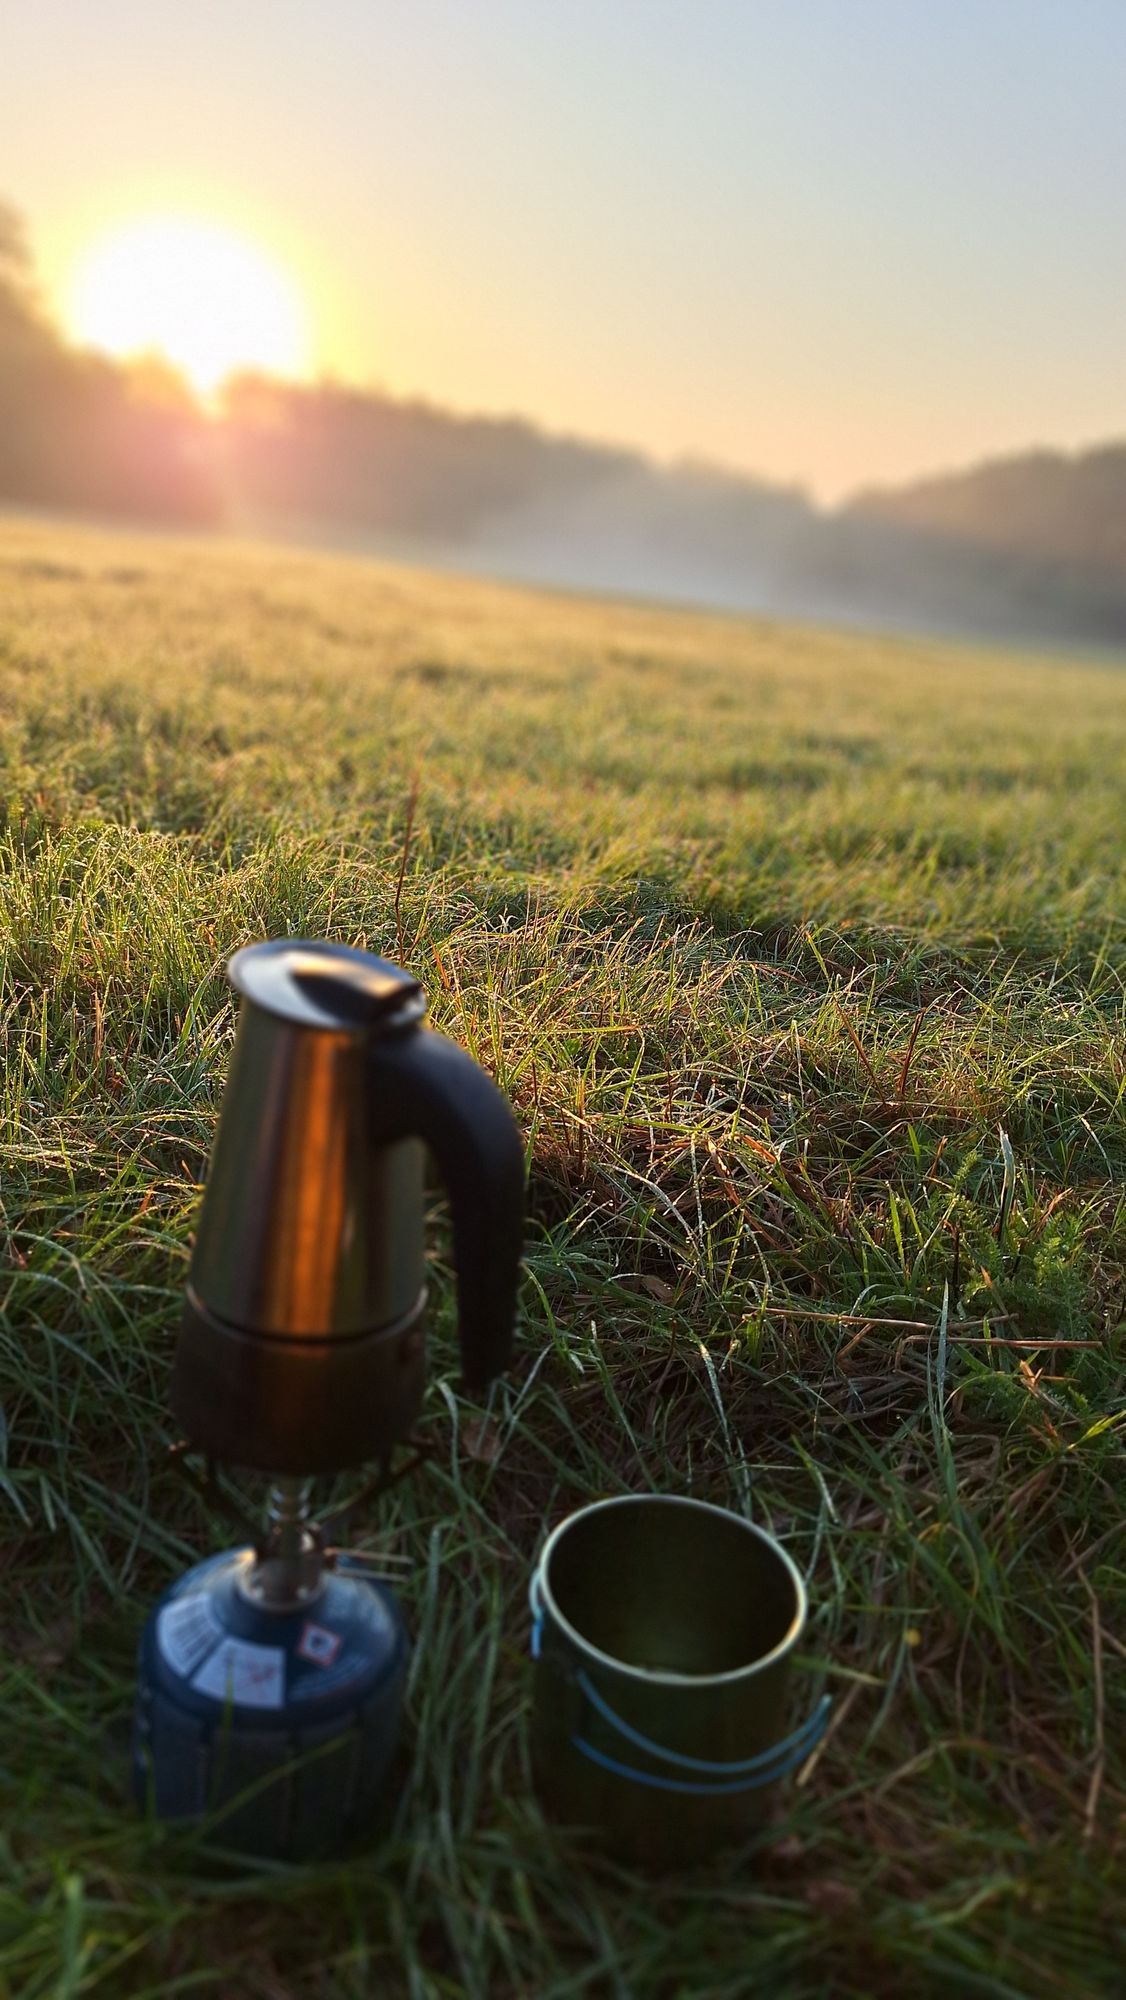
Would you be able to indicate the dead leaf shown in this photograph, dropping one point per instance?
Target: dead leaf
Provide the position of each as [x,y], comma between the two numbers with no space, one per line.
[480,1440]
[657,1289]
[789,1852]
[831,1898]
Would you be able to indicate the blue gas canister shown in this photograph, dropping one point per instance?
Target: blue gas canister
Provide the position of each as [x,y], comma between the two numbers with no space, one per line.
[275,1726]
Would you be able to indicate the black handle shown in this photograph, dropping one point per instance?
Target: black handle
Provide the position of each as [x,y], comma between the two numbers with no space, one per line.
[428,1088]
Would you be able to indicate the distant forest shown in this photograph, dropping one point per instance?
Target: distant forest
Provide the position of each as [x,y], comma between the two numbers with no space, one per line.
[1034,546]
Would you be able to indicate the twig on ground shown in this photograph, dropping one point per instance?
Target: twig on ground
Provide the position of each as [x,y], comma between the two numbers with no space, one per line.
[1098,1766]
[857,1337]
[990,1340]
[408,834]
[866,1320]
[923,1757]
[839,1712]
[859,1047]
[901,1087]
[1091,1548]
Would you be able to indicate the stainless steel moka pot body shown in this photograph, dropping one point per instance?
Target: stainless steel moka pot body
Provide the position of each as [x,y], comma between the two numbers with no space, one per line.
[301,1348]
[302,1351]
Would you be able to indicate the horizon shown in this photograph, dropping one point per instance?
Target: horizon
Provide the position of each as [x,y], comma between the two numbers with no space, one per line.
[828,252]
[207,398]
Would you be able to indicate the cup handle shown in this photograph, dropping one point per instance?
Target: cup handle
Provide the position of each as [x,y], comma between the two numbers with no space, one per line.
[742,1776]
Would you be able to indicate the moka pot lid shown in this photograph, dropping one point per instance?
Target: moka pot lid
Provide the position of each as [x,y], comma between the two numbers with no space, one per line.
[329,986]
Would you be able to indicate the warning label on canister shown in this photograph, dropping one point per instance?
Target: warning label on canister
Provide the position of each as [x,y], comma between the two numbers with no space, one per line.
[250,1676]
[187,1630]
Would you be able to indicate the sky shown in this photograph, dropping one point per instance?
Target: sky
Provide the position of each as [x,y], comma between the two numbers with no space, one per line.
[832,242]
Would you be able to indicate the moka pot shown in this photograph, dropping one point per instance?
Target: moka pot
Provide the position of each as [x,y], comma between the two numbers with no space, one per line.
[301,1348]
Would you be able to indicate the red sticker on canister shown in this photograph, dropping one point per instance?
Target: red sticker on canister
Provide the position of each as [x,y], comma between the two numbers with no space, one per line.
[318,1645]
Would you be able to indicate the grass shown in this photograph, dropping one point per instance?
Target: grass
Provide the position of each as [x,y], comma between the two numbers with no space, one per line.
[801,957]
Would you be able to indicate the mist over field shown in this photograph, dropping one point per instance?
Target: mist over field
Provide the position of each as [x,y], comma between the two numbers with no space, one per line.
[1032,548]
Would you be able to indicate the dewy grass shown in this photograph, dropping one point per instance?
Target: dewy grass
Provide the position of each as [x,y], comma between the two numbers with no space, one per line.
[801,957]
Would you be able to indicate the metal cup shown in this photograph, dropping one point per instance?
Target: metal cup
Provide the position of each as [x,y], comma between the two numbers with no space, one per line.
[663,1631]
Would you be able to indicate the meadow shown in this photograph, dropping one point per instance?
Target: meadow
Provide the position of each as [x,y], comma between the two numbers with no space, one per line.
[801,957]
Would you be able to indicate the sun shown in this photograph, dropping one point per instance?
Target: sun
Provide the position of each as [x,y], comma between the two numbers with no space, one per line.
[208,300]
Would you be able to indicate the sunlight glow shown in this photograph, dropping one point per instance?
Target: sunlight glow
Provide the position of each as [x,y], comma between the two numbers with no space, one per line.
[207,300]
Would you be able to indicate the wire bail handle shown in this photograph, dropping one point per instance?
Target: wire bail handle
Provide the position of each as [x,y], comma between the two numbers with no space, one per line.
[744,1775]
